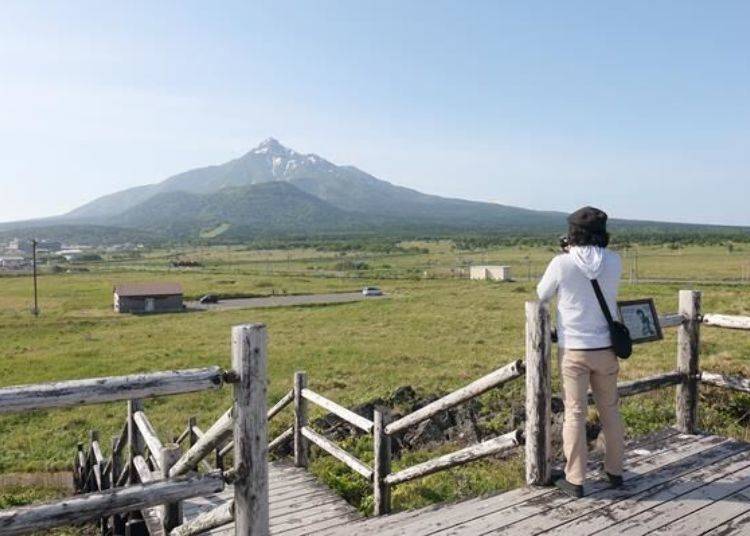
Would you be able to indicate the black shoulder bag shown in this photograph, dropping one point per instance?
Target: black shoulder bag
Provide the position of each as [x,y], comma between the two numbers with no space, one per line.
[619,333]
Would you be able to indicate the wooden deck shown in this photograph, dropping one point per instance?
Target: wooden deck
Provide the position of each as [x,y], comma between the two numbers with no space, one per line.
[299,504]
[675,484]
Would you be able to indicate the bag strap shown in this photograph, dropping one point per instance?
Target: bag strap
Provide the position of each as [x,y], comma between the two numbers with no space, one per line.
[602,302]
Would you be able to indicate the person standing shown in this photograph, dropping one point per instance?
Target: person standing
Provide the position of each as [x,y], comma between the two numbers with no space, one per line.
[585,352]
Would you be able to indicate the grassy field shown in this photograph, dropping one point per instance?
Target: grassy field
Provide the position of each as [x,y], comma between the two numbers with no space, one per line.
[435,333]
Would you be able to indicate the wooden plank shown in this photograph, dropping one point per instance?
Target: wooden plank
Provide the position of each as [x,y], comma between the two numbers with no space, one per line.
[217,517]
[135,444]
[108,389]
[710,464]
[145,475]
[148,433]
[217,434]
[649,383]
[734,527]
[473,452]
[170,512]
[637,386]
[514,517]
[688,352]
[671,320]
[512,506]
[28,519]
[250,430]
[294,505]
[301,496]
[662,476]
[303,508]
[315,521]
[281,404]
[669,514]
[96,451]
[151,514]
[727,321]
[538,434]
[735,383]
[423,520]
[337,452]
[341,518]
[282,438]
[122,439]
[340,411]
[117,523]
[184,435]
[482,385]
[306,491]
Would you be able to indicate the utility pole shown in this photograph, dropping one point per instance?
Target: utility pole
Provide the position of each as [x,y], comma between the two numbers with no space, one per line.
[33,263]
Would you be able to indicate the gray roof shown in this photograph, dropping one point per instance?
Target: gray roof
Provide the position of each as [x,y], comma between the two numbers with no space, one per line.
[148,289]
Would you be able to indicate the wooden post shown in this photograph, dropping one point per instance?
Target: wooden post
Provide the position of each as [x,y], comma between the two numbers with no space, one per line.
[688,353]
[134,441]
[250,431]
[382,461]
[79,469]
[538,395]
[300,420]
[117,521]
[172,512]
[91,484]
[191,435]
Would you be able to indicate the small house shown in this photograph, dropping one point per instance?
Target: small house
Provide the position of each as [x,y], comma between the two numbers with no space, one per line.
[154,297]
[494,273]
[13,262]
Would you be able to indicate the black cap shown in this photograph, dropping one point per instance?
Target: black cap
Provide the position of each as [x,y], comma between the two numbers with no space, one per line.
[589,218]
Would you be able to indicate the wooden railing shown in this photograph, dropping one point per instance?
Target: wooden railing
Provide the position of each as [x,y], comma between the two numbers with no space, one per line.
[686,377]
[139,487]
[143,480]
[381,428]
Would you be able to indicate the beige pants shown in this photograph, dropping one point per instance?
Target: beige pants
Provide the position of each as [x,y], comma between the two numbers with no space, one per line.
[578,368]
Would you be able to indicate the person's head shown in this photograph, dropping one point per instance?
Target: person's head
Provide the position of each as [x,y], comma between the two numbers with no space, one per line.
[587,226]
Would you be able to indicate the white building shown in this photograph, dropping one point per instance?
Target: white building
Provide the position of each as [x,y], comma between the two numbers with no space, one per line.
[13,262]
[494,273]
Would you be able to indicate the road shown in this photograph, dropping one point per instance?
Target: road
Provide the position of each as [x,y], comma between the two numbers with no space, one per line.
[281,301]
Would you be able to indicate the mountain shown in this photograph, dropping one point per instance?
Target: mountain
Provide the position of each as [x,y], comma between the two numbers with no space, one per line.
[271,207]
[350,197]
[273,189]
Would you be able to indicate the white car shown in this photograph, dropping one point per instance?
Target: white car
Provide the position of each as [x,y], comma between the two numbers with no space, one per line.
[372,291]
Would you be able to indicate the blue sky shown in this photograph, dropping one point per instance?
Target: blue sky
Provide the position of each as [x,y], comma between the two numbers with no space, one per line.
[642,108]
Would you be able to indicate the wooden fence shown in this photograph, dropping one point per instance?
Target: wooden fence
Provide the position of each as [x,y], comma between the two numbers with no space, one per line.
[138,488]
[536,434]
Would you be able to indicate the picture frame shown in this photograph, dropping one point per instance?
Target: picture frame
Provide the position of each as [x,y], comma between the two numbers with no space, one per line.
[641,319]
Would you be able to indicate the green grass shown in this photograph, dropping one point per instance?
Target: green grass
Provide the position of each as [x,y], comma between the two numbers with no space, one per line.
[435,333]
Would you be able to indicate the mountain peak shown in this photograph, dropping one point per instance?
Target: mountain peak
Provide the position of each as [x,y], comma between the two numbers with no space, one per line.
[272,146]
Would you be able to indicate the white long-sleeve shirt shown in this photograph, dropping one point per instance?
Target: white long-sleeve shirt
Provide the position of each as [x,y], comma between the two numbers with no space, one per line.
[580,322]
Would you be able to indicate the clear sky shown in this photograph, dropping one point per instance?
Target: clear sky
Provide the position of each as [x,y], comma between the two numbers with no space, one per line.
[640,107]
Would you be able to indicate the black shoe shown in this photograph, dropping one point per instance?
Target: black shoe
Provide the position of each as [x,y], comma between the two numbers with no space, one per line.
[615,480]
[572,490]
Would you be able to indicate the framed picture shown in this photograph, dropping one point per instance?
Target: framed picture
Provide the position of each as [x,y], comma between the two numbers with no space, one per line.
[641,319]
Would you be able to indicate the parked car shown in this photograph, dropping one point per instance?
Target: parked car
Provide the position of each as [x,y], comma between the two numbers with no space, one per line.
[372,291]
[209,298]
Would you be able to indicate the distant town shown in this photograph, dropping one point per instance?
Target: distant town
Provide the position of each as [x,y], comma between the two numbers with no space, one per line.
[17,254]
